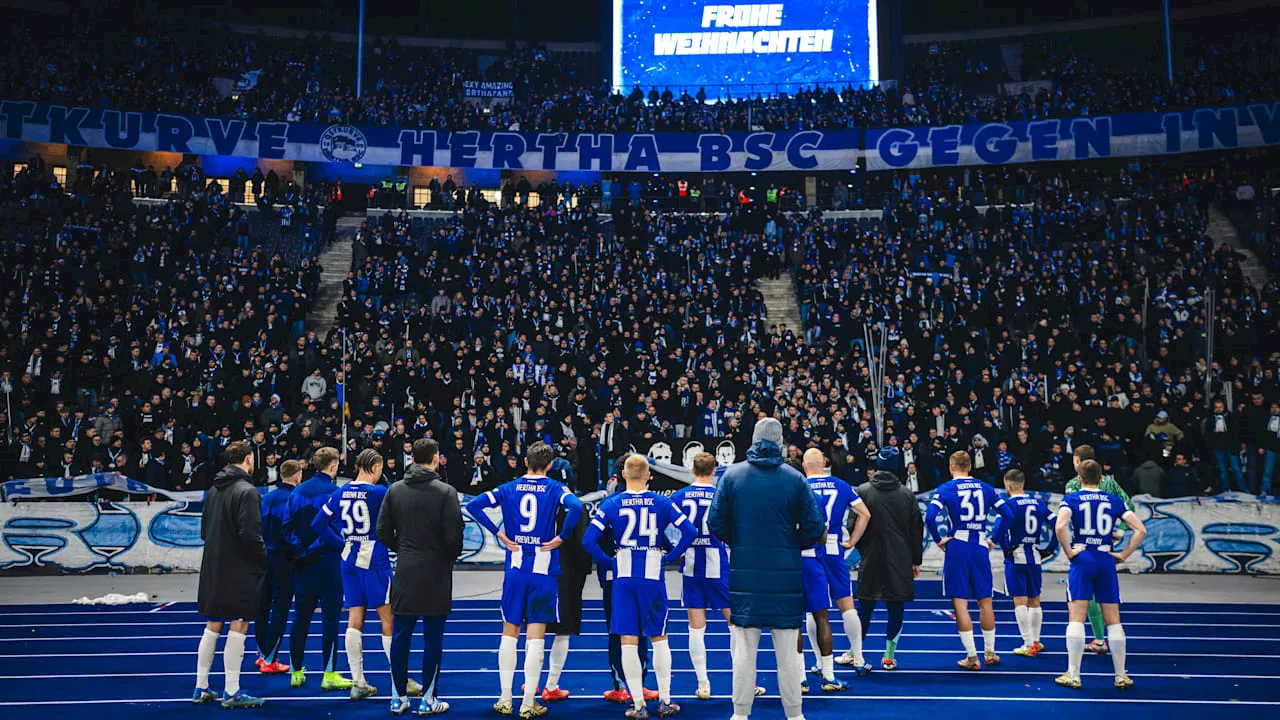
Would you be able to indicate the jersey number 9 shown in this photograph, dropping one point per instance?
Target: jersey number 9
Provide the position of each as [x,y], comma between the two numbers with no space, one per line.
[528,511]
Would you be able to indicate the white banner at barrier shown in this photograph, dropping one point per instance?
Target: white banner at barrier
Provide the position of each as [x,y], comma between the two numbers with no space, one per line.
[40,488]
[80,537]
[1228,534]
[1231,533]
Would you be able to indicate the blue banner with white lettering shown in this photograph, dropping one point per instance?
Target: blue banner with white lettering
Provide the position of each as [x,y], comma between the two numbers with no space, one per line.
[804,150]
[1074,138]
[604,152]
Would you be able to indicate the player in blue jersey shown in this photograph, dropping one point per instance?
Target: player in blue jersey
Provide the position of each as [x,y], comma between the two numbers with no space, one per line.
[277,587]
[638,520]
[705,570]
[824,565]
[1018,530]
[1085,522]
[366,563]
[966,565]
[530,588]
[318,579]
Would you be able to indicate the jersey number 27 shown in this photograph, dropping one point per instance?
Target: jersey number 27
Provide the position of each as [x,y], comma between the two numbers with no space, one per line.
[698,510]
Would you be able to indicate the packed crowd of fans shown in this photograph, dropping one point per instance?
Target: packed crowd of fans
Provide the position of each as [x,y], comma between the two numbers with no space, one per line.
[172,68]
[145,339]
[137,337]
[1018,333]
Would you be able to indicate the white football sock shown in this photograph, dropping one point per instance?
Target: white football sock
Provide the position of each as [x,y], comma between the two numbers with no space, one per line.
[534,652]
[506,667]
[662,668]
[1036,617]
[989,641]
[559,654]
[386,647]
[853,629]
[811,628]
[698,654]
[232,658]
[828,662]
[1021,613]
[801,672]
[355,655]
[204,657]
[1117,644]
[966,639]
[633,672]
[1075,647]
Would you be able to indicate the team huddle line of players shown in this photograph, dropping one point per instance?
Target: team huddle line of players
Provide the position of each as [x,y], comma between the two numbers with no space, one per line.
[632,536]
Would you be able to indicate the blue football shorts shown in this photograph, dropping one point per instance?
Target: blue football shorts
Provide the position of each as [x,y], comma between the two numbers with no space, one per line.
[966,571]
[699,593]
[817,590]
[1093,577]
[1023,580]
[838,580]
[639,608]
[529,598]
[366,588]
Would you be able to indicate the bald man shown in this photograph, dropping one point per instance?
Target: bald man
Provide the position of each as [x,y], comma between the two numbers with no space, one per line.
[826,575]
[838,499]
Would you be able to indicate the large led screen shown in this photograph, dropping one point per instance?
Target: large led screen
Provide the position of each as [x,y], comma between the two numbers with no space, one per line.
[740,49]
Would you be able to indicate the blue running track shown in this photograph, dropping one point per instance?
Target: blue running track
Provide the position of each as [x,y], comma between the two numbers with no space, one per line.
[1187,660]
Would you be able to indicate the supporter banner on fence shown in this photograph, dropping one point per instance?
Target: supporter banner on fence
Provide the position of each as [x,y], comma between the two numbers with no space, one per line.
[605,152]
[1214,535]
[1226,534]
[486,89]
[39,488]
[81,537]
[681,451]
[1074,138]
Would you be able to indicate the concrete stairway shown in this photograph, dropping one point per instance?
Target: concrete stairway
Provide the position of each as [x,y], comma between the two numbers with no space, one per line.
[1223,232]
[780,303]
[336,261]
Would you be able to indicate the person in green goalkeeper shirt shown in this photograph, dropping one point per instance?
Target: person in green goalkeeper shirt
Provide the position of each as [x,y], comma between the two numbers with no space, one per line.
[1109,484]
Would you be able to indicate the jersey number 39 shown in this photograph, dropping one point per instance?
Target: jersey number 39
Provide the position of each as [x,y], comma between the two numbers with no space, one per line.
[355,517]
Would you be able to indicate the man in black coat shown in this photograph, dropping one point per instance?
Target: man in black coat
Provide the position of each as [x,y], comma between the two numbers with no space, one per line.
[1222,436]
[892,549]
[575,567]
[231,572]
[421,521]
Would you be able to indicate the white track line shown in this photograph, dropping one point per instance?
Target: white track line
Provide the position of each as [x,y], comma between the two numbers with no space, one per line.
[677,616]
[1210,610]
[98,638]
[685,671]
[492,651]
[847,698]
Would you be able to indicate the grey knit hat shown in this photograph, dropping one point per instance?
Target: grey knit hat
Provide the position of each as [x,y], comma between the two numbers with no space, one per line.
[769,430]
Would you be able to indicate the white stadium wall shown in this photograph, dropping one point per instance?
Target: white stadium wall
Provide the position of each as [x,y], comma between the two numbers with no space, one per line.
[1213,535]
